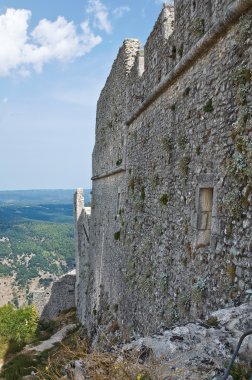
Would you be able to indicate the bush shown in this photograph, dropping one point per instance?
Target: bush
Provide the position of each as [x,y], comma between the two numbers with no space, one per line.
[18,325]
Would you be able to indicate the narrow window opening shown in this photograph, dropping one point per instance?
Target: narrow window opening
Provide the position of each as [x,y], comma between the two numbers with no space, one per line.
[205,211]
[173,52]
[118,203]
[154,60]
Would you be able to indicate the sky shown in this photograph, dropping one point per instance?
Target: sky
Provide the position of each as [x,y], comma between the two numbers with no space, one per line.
[55,56]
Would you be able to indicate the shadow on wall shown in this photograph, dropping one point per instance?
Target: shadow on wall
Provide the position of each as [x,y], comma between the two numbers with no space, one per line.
[59,297]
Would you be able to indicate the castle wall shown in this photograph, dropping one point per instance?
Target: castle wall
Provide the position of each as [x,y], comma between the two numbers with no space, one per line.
[58,297]
[170,232]
[184,141]
[82,260]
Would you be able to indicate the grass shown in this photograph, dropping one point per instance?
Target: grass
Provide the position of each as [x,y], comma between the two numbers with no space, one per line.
[20,366]
[50,364]
[18,361]
[3,349]
[98,365]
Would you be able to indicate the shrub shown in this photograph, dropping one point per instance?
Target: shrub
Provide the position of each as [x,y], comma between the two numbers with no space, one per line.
[164,199]
[18,325]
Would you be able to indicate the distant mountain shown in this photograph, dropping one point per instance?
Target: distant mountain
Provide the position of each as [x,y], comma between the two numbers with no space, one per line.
[40,196]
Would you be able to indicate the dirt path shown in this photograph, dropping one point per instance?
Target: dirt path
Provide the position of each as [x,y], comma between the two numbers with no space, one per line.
[56,338]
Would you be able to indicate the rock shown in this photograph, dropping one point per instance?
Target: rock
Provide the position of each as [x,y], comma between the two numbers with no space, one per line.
[75,370]
[193,350]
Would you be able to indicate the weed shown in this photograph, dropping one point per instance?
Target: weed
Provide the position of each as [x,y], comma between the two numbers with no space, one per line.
[240,372]
[132,184]
[164,199]
[142,194]
[200,285]
[119,162]
[143,376]
[241,76]
[208,107]
[241,144]
[117,235]
[198,27]
[114,326]
[198,150]
[212,321]
[233,205]
[241,95]
[182,142]
[231,270]
[184,166]
[184,303]
[167,143]
[181,50]
[237,166]
[155,180]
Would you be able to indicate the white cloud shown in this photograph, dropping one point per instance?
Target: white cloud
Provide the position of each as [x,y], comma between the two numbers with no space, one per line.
[120,11]
[58,40]
[5,100]
[100,14]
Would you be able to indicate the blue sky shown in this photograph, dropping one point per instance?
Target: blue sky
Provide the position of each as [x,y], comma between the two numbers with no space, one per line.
[54,59]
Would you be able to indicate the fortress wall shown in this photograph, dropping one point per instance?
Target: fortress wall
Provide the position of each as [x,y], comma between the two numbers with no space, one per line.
[82,260]
[58,297]
[108,181]
[184,210]
[107,256]
[177,146]
[108,152]
[178,29]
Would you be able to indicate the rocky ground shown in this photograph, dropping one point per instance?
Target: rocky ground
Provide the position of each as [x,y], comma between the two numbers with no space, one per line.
[196,351]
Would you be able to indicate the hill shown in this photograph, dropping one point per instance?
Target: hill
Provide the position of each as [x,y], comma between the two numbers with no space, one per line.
[36,240]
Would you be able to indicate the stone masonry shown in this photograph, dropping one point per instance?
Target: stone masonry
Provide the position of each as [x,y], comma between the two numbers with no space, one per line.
[170,234]
[58,297]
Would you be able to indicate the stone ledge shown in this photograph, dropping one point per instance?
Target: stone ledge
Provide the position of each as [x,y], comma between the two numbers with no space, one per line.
[108,174]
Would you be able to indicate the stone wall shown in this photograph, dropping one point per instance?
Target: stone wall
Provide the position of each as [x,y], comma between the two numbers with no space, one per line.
[170,231]
[83,270]
[59,296]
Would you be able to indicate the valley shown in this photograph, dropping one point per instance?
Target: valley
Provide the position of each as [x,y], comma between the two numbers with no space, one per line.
[36,241]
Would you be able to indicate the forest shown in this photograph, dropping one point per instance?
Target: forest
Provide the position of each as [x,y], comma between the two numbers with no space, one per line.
[36,235]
